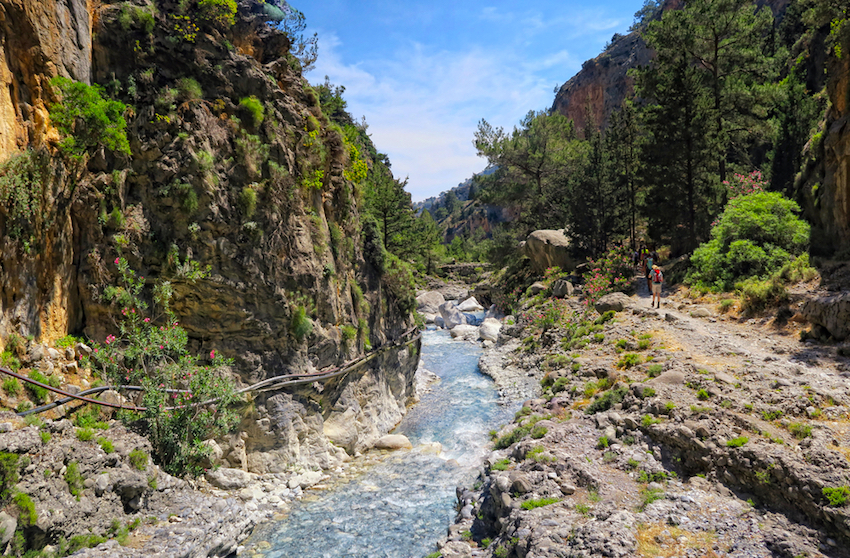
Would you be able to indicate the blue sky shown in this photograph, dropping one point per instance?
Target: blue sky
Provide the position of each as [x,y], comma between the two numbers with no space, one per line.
[424,73]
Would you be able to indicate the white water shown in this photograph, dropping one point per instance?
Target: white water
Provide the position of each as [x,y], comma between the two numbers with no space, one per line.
[400,507]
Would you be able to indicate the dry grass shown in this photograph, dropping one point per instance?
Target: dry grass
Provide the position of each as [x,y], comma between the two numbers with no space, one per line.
[653,544]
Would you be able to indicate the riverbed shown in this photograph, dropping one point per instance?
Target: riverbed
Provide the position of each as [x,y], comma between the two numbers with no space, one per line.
[400,507]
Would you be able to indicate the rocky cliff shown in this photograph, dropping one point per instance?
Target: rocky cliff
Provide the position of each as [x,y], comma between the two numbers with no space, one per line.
[232,168]
[824,184]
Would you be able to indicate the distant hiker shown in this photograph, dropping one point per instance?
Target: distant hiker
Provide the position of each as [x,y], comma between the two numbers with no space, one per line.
[635,258]
[648,267]
[657,278]
[654,256]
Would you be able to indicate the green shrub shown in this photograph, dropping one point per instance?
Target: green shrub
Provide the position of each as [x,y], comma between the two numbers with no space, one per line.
[349,332]
[737,442]
[602,443]
[45,437]
[703,395]
[27,515]
[648,496]
[89,540]
[607,400]
[189,89]
[648,392]
[138,459]
[67,341]
[218,12]
[654,370]
[135,17]
[756,235]
[771,415]
[38,393]
[538,432]
[74,478]
[649,420]
[22,179]
[85,434]
[629,360]
[800,430]
[758,294]
[301,326]
[86,120]
[255,108]
[8,474]
[11,386]
[501,465]
[837,496]
[539,503]
[248,201]
[106,445]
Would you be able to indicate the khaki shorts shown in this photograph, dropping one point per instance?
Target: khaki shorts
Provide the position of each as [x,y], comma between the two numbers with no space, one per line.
[656,288]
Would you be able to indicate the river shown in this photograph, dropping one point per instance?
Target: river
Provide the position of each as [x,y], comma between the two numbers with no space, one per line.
[400,507]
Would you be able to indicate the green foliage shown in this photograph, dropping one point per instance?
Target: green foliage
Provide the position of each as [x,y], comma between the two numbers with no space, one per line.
[106,445]
[654,370]
[255,108]
[45,436]
[136,17]
[86,120]
[151,351]
[67,341]
[190,89]
[301,326]
[10,361]
[248,201]
[501,465]
[398,277]
[88,540]
[737,442]
[539,503]
[138,459]
[221,13]
[836,495]
[649,420]
[613,272]
[538,432]
[800,430]
[629,360]
[648,392]
[602,443]
[518,433]
[85,434]
[27,515]
[648,496]
[23,178]
[703,395]
[607,400]
[8,474]
[39,394]
[755,236]
[74,478]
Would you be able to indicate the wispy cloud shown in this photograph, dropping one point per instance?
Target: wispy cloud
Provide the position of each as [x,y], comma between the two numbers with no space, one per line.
[423,107]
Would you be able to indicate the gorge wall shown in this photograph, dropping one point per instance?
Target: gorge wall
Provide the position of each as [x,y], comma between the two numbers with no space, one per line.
[232,168]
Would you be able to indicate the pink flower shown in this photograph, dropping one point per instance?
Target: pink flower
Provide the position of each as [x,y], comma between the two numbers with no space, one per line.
[212,354]
[117,260]
[147,320]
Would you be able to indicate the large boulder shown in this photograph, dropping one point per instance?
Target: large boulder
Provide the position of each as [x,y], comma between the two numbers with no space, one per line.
[470,305]
[831,312]
[562,288]
[614,301]
[393,442]
[429,303]
[466,332]
[548,248]
[452,317]
[489,330]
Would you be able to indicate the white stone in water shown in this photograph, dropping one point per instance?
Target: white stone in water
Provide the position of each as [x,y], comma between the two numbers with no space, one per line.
[393,442]
[466,332]
[470,305]
[489,330]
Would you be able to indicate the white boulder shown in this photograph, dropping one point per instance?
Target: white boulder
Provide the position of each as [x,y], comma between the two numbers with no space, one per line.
[470,305]
[452,317]
[489,330]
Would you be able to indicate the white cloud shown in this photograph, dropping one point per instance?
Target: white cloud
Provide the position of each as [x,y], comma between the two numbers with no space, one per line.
[423,106]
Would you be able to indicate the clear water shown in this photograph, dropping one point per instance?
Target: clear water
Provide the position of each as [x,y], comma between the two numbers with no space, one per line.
[401,506]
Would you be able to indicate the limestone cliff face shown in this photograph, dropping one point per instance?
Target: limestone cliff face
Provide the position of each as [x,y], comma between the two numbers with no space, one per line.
[258,195]
[602,84]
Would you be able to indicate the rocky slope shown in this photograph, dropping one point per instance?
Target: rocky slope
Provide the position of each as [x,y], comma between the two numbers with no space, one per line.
[717,436]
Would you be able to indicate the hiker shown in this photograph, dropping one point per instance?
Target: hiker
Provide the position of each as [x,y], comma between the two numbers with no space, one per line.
[657,278]
[649,262]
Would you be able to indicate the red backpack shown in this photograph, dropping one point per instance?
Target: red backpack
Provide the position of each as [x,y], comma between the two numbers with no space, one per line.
[658,277]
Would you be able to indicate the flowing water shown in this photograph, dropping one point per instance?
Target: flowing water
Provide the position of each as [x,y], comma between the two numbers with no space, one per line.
[402,505]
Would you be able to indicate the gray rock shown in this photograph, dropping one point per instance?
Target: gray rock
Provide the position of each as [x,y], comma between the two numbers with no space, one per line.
[470,305]
[614,301]
[831,312]
[489,330]
[53,354]
[700,312]
[82,349]
[439,321]
[429,302]
[464,331]
[670,317]
[129,484]
[36,352]
[562,288]
[536,288]
[670,378]
[393,442]
[8,524]
[548,248]
[229,479]
[452,317]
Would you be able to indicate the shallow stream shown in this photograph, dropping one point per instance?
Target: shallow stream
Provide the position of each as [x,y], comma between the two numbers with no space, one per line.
[399,507]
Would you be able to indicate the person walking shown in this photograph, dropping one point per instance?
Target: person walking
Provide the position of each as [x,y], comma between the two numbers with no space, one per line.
[657,279]
[648,270]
